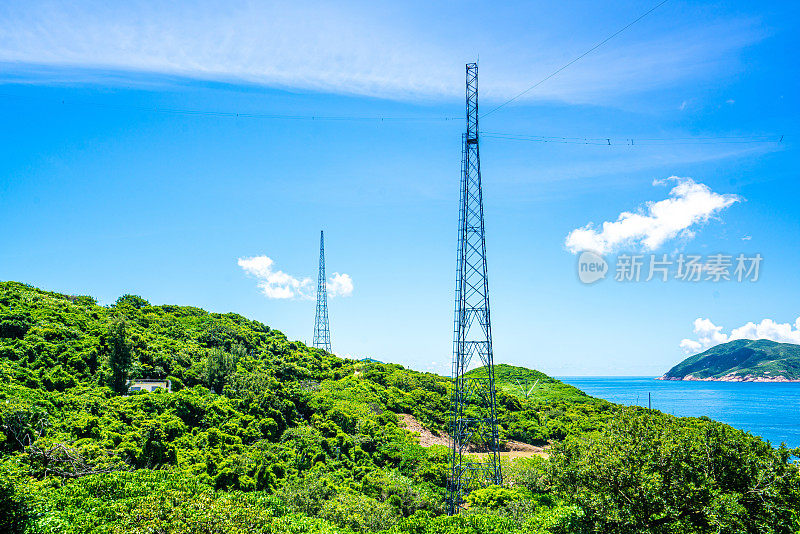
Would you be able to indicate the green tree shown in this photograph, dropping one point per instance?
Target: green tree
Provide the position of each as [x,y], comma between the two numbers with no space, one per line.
[220,366]
[120,356]
[134,301]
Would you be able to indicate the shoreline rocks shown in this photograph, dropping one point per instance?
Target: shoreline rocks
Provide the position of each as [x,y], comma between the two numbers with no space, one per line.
[730,377]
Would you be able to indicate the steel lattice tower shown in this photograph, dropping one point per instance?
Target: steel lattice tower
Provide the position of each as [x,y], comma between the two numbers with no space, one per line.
[322,332]
[473,416]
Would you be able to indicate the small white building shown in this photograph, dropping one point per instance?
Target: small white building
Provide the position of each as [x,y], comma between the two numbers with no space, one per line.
[142,384]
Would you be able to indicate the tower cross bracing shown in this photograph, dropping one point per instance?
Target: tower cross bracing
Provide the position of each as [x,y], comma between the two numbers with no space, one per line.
[473,411]
[322,332]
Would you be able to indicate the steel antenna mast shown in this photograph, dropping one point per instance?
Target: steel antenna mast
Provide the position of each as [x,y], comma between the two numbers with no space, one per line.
[322,333]
[473,413]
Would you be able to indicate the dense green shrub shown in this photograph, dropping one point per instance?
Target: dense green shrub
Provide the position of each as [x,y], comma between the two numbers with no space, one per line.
[649,472]
[494,497]
[14,512]
[358,513]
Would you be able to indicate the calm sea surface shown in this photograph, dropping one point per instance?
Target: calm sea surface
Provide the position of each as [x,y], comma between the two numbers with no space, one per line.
[771,411]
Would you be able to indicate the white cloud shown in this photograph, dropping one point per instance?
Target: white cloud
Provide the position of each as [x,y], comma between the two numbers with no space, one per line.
[709,334]
[404,50]
[769,329]
[340,285]
[276,284]
[689,205]
[280,285]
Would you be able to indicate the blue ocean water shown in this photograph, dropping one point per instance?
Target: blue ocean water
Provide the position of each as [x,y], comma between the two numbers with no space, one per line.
[769,410]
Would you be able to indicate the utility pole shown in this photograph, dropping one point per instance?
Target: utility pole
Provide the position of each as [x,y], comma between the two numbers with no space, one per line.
[473,411]
[322,333]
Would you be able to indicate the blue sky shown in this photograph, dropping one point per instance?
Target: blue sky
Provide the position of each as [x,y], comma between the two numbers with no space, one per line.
[111,183]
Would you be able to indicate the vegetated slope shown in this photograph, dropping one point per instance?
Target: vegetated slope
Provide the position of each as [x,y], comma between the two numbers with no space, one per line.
[263,434]
[741,360]
[534,385]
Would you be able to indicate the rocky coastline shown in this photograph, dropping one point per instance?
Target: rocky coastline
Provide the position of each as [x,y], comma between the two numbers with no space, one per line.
[730,377]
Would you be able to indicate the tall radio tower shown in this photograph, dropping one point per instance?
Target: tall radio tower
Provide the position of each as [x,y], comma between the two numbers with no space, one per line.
[322,333]
[473,413]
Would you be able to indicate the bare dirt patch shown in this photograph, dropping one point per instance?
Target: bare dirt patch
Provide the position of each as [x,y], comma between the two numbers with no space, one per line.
[426,437]
[512,449]
[517,449]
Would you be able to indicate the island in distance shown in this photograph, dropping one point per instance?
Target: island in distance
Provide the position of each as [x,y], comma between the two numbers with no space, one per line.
[742,360]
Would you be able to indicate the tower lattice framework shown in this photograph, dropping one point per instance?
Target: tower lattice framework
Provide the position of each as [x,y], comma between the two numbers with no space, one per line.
[322,332]
[473,417]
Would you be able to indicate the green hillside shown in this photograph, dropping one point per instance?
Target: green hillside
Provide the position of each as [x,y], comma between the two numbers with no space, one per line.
[264,434]
[742,359]
[534,385]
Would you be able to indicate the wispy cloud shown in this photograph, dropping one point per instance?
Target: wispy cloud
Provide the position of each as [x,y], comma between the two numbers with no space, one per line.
[401,51]
[689,205]
[599,161]
[709,334]
[276,284]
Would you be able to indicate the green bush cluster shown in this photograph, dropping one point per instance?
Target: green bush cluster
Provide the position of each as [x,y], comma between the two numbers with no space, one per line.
[262,434]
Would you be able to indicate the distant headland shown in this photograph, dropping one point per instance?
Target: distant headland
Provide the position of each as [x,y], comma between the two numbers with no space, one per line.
[742,360]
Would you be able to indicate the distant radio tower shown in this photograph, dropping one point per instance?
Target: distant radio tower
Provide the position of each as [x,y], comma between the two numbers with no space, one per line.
[322,333]
[473,413]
